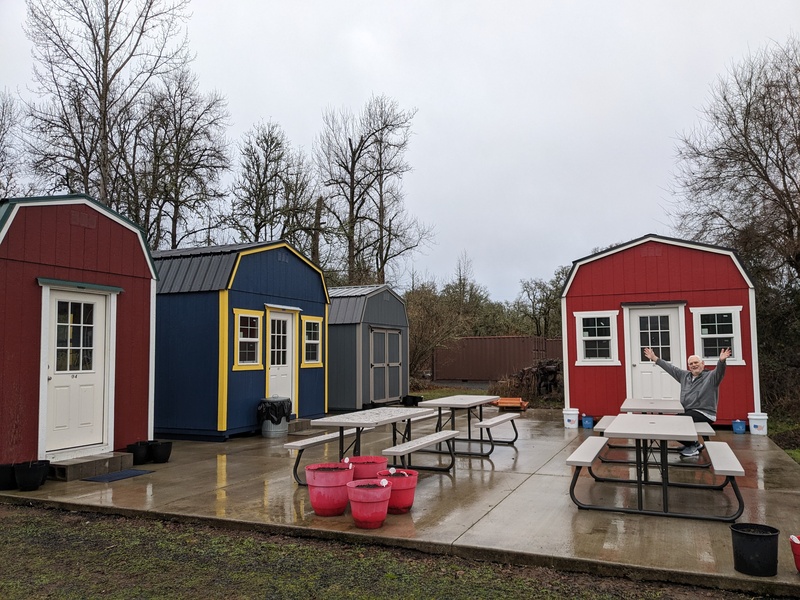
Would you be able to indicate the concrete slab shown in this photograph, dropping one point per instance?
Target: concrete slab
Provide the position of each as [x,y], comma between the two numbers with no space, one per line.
[511,507]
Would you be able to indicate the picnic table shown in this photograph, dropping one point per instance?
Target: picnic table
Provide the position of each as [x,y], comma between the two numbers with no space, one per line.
[461,402]
[369,419]
[646,429]
[664,406]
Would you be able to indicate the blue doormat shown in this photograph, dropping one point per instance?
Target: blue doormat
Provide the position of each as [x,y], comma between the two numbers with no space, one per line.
[117,475]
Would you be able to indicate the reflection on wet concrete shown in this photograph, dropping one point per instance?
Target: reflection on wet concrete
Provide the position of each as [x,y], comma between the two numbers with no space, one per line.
[511,507]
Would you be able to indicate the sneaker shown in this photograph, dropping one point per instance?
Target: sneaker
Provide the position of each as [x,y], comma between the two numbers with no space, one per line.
[692,450]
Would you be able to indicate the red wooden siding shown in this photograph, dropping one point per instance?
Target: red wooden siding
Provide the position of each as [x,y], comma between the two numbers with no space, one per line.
[70,242]
[648,273]
[654,268]
[91,242]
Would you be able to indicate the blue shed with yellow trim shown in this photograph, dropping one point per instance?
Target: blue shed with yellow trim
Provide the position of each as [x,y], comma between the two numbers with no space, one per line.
[236,324]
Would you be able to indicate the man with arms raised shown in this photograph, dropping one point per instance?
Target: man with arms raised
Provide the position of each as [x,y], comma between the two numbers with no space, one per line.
[699,390]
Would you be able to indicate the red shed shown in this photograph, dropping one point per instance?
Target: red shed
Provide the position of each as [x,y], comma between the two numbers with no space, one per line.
[680,298]
[77,316]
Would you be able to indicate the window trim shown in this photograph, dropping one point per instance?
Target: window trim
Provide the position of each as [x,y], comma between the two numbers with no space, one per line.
[305,364]
[736,313]
[581,360]
[256,366]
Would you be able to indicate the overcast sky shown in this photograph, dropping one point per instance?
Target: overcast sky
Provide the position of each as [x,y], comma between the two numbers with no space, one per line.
[544,129]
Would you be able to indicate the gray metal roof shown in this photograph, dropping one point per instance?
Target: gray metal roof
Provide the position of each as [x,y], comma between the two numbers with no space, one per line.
[355,290]
[349,302]
[198,269]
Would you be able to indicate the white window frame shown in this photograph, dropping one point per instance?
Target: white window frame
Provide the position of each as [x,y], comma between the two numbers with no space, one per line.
[613,339]
[736,312]
[238,365]
[306,342]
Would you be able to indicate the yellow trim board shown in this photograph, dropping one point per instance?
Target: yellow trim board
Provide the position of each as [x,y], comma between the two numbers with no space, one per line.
[222,390]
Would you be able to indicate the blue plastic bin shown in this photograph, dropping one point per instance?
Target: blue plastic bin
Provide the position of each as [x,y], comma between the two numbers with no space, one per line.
[587,422]
[739,426]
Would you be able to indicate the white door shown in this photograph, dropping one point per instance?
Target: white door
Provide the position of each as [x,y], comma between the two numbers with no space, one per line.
[76,403]
[660,329]
[281,354]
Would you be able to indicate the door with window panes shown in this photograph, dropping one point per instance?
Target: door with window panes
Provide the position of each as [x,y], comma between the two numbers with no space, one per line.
[76,403]
[659,329]
[281,354]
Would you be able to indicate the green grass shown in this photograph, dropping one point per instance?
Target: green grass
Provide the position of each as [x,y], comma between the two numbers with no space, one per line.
[435,393]
[73,555]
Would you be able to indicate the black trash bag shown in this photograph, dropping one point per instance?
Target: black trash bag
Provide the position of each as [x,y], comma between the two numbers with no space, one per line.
[274,410]
[412,400]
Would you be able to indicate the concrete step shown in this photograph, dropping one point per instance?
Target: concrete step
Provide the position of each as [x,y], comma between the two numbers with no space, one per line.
[89,466]
[299,425]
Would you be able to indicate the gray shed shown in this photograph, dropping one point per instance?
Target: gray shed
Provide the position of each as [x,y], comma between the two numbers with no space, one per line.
[368,347]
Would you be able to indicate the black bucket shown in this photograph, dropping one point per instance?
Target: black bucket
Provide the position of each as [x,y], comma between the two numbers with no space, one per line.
[755,549]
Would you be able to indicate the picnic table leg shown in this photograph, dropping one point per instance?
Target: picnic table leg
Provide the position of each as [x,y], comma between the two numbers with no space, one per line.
[297,466]
[357,447]
[639,472]
[664,475]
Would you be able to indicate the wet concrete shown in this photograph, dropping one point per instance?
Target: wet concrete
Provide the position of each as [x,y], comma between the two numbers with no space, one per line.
[512,507]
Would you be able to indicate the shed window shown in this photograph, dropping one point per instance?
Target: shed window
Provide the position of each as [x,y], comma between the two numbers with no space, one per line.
[248,339]
[312,341]
[597,338]
[717,328]
[74,337]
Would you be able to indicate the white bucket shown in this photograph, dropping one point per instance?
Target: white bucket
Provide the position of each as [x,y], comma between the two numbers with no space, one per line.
[758,423]
[570,418]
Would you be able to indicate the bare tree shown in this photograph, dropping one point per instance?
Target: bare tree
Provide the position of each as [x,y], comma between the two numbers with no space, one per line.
[738,184]
[539,303]
[10,160]
[432,322]
[94,58]
[738,179]
[305,212]
[395,232]
[345,154]
[258,209]
[187,158]
[466,298]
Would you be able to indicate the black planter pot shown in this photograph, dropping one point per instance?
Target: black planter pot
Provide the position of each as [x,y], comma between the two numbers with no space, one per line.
[30,475]
[140,451]
[7,479]
[46,472]
[160,451]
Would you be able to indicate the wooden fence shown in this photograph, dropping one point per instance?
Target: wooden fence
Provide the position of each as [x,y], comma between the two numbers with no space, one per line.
[491,358]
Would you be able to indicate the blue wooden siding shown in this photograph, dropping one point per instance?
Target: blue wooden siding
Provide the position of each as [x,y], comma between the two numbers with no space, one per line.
[188,346]
[186,378]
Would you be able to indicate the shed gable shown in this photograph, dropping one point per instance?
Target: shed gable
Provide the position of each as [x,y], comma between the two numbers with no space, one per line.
[655,265]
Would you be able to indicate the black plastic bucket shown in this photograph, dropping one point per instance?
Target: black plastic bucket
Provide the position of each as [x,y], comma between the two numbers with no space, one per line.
[755,549]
